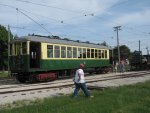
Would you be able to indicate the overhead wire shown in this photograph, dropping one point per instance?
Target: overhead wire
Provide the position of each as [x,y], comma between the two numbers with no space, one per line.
[63,21]
[46,17]
[83,13]
[68,10]
[7,6]
[27,17]
[57,8]
[34,21]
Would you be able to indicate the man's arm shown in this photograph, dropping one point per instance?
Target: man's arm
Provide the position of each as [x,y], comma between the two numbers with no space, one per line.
[79,75]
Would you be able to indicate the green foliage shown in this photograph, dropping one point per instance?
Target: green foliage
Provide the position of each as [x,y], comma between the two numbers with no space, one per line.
[125,52]
[66,39]
[104,44]
[125,99]
[4,47]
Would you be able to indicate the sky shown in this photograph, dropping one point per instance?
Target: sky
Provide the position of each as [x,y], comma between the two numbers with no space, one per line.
[84,20]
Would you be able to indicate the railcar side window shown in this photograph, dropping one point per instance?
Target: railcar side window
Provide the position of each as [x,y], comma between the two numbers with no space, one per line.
[50,51]
[63,52]
[88,53]
[92,53]
[95,53]
[99,53]
[79,52]
[105,53]
[24,47]
[84,52]
[57,51]
[74,52]
[69,52]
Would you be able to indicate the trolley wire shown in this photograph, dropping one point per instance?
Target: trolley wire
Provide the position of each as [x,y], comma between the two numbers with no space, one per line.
[63,21]
[39,4]
[34,21]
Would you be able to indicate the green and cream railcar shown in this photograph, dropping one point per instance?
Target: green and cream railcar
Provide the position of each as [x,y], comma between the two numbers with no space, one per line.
[34,58]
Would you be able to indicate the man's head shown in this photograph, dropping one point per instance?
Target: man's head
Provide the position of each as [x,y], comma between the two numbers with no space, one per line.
[81,66]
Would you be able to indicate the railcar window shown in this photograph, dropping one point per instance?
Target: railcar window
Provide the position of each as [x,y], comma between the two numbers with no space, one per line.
[74,52]
[92,53]
[17,48]
[95,53]
[69,52]
[84,52]
[11,49]
[99,54]
[63,52]
[88,53]
[24,48]
[50,51]
[33,55]
[105,53]
[79,52]
[57,51]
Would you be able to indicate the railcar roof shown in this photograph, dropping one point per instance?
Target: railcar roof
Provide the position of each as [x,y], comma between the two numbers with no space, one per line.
[60,41]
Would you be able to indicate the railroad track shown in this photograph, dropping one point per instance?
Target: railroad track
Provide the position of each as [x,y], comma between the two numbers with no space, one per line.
[66,83]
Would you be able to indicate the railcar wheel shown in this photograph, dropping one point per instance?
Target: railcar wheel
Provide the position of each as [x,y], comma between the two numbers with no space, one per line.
[21,79]
[32,78]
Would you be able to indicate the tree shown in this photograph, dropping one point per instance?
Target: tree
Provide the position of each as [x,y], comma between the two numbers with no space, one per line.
[4,47]
[66,39]
[125,52]
[104,44]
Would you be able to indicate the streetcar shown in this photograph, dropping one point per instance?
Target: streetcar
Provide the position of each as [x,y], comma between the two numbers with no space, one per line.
[40,58]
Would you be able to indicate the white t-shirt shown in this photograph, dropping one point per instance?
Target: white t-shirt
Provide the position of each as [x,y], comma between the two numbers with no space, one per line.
[79,74]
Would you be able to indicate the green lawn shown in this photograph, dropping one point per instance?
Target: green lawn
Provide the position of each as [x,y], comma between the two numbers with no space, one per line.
[126,99]
[3,74]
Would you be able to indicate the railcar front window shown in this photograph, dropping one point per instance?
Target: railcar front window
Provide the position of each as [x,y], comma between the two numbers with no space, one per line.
[17,48]
[24,48]
[11,50]
[50,51]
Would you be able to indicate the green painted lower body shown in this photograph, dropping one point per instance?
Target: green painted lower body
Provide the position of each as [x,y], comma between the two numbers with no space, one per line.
[23,64]
[19,63]
[72,64]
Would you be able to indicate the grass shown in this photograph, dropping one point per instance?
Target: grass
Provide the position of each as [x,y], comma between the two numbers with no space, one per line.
[3,74]
[125,99]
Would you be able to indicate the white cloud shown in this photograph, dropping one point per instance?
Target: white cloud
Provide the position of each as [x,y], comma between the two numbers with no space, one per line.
[134,18]
[58,10]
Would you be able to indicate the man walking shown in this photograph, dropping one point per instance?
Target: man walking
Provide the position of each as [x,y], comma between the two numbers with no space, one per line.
[79,82]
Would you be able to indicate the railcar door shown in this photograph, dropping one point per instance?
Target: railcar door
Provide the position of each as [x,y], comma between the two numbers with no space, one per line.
[35,54]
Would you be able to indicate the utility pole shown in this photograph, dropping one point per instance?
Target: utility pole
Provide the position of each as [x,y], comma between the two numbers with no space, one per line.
[8,50]
[139,45]
[140,51]
[117,28]
[147,53]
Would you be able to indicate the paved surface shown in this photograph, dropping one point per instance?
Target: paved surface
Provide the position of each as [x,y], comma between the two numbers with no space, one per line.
[33,95]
